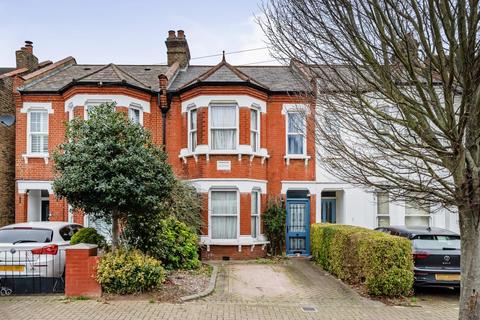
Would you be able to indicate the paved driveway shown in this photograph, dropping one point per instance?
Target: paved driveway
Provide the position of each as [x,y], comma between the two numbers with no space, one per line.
[244,291]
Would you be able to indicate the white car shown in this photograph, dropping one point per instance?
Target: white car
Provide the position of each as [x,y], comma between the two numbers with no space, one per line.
[35,249]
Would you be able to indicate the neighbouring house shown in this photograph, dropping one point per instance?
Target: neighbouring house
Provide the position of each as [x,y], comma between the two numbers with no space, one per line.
[10,78]
[235,132]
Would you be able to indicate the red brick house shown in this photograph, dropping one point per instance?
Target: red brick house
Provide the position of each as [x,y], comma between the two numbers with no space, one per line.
[227,129]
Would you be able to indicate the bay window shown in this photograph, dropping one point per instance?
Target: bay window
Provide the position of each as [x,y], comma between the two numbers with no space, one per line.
[223,127]
[296,142]
[38,131]
[254,132]
[192,130]
[224,214]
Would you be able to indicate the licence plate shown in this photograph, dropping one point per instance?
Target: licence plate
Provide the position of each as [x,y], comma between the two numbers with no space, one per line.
[447,277]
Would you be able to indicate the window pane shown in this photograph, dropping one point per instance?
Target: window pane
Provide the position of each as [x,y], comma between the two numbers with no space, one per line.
[414,208]
[295,123]
[417,221]
[254,226]
[295,144]
[224,139]
[255,202]
[193,119]
[382,203]
[254,119]
[224,227]
[134,115]
[39,143]
[193,140]
[38,121]
[253,141]
[383,221]
[223,116]
[224,202]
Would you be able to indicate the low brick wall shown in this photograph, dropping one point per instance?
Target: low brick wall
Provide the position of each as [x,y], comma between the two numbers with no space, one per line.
[80,271]
[232,252]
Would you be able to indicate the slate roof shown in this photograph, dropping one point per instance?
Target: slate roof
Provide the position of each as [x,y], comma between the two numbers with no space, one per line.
[5,70]
[145,77]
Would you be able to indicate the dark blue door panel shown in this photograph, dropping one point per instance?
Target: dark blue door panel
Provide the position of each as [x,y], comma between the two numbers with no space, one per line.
[298,226]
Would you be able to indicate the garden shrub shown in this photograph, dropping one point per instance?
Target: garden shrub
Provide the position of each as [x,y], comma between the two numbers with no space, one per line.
[88,235]
[274,220]
[129,271]
[169,240]
[381,262]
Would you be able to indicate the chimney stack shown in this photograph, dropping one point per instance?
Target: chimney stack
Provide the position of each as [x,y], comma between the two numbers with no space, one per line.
[25,57]
[177,48]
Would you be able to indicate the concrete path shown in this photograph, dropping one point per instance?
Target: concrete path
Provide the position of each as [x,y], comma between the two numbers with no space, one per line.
[296,290]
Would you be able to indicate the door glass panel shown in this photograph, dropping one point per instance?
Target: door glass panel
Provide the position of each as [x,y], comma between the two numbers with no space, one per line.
[297,218]
[297,243]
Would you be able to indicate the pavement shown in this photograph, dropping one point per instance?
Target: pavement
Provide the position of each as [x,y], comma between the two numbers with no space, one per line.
[296,289]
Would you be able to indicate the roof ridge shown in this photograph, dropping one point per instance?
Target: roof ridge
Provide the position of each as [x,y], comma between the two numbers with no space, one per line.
[94,72]
[117,68]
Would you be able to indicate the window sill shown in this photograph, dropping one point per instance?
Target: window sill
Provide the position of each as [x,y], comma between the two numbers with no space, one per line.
[243,241]
[297,157]
[43,156]
[242,150]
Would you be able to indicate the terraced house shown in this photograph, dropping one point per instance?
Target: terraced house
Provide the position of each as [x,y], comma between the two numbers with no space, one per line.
[237,133]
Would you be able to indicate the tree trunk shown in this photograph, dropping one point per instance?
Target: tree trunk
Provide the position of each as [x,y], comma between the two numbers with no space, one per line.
[470,263]
[115,231]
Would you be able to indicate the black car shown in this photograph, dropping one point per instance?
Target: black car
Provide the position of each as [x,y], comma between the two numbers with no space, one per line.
[436,254]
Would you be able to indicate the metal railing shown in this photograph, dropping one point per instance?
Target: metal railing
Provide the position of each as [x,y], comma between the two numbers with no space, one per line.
[27,271]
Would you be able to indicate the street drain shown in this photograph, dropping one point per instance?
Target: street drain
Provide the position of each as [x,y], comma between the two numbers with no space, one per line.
[309,309]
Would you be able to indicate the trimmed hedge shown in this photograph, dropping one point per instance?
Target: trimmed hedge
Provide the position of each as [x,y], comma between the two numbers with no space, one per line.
[381,262]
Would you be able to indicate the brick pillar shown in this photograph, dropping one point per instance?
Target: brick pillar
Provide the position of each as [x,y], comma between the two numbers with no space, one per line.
[21,205]
[80,271]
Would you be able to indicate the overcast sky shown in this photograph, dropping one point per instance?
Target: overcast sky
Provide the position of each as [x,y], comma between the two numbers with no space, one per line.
[130,32]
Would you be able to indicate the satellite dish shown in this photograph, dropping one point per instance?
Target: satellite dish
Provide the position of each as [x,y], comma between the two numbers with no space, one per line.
[7,120]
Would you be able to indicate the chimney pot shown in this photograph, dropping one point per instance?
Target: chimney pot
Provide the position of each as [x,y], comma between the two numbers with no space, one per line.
[171,34]
[181,34]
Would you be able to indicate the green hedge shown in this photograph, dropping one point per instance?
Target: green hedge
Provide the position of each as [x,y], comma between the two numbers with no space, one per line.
[381,262]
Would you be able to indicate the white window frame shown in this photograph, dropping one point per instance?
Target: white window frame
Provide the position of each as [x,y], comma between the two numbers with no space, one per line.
[210,128]
[190,130]
[256,215]
[223,189]
[304,123]
[256,131]
[383,215]
[29,133]
[415,205]
[132,107]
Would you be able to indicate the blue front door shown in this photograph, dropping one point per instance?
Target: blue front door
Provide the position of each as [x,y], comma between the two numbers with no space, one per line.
[329,210]
[298,226]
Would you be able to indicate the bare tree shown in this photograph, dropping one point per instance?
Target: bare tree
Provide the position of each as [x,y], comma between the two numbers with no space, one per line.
[397,89]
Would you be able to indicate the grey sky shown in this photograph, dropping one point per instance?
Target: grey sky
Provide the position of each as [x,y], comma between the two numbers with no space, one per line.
[102,31]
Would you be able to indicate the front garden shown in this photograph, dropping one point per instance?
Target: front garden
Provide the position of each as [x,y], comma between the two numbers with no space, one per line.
[110,169]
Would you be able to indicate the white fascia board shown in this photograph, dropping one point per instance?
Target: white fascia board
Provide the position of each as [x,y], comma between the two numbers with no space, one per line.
[120,99]
[240,100]
[242,185]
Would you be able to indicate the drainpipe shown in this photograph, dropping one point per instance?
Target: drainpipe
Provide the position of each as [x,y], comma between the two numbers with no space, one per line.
[163,100]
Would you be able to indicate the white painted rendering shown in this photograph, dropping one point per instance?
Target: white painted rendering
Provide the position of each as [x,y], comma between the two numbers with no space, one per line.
[242,185]
[240,100]
[24,185]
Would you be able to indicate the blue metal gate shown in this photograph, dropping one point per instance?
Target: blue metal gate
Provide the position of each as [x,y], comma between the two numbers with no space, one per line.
[298,226]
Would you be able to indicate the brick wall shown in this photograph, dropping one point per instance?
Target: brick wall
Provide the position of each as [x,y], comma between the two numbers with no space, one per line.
[7,155]
[247,252]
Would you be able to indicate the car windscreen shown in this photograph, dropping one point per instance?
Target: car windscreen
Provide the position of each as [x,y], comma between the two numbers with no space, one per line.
[436,242]
[25,235]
